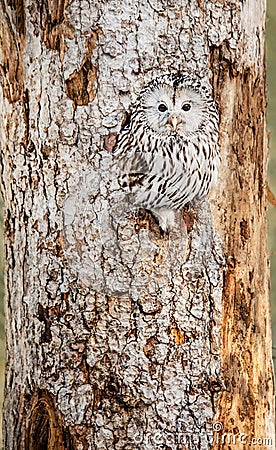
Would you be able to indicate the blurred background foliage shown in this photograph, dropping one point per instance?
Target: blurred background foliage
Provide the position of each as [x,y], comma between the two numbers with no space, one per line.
[2,320]
[271,116]
[271,78]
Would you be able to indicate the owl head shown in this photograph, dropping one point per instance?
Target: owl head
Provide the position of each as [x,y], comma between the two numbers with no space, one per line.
[176,105]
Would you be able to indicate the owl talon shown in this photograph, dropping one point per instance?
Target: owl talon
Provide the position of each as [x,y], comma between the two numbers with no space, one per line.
[165,218]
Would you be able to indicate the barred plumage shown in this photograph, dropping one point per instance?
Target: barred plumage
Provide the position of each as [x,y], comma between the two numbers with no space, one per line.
[168,152]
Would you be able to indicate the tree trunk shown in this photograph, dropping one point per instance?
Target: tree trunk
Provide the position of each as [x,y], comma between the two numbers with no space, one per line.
[119,336]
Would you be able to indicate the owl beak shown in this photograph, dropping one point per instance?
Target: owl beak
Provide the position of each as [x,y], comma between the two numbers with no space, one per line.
[174,121]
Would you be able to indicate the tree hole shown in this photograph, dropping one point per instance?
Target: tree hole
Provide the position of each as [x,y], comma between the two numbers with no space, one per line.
[44,425]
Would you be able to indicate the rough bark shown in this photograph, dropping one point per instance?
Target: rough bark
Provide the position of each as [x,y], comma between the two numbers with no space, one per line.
[117,336]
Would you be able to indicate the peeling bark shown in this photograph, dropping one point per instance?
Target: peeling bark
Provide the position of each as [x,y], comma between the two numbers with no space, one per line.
[246,352]
[117,336]
[80,84]
[12,41]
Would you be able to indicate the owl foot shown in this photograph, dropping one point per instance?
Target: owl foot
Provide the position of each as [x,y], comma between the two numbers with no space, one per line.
[165,218]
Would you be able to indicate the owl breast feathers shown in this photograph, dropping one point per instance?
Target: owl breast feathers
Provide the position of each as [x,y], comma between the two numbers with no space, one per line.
[168,155]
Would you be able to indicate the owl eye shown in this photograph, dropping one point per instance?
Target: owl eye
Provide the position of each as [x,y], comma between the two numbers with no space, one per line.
[186,107]
[162,107]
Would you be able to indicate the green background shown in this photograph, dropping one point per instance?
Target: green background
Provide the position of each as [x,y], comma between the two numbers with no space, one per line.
[271,77]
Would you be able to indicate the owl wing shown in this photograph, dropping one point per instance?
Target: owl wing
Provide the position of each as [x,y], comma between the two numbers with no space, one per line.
[136,169]
[133,168]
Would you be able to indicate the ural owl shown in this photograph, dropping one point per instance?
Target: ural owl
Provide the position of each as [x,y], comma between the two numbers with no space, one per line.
[168,152]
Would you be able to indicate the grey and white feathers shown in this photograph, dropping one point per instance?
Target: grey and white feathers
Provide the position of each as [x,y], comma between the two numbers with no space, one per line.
[168,152]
